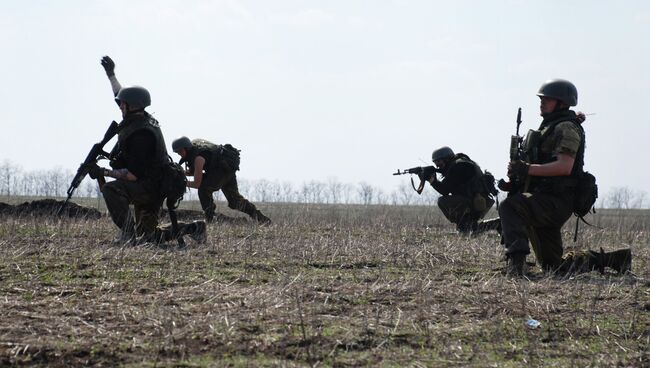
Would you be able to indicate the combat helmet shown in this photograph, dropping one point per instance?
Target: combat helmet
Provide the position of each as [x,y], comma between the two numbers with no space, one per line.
[136,97]
[442,153]
[559,89]
[182,142]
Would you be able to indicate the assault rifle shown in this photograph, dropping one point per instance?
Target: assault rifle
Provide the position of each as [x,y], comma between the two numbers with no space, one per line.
[517,152]
[423,172]
[96,153]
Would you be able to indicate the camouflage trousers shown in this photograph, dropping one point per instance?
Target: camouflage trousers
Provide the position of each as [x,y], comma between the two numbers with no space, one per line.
[537,219]
[227,183]
[143,221]
[460,210]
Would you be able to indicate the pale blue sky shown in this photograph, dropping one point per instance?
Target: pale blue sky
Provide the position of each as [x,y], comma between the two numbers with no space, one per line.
[318,89]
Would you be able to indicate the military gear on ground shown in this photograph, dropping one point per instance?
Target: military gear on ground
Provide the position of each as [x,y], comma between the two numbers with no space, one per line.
[136,97]
[618,260]
[559,89]
[182,142]
[196,230]
[442,153]
[584,261]
[109,66]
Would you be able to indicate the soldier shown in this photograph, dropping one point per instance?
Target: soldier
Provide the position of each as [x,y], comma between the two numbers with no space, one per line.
[538,213]
[213,168]
[137,161]
[465,197]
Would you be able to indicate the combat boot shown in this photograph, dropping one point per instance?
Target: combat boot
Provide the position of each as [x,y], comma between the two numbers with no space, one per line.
[261,218]
[124,238]
[619,260]
[515,264]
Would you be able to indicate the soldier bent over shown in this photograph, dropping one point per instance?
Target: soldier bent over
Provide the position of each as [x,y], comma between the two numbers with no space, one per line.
[213,168]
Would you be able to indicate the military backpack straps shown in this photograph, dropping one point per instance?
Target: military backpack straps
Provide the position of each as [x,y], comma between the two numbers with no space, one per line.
[483,181]
[224,156]
[488,181]
[229,157]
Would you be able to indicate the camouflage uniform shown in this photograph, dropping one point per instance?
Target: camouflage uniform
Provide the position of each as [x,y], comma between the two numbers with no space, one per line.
[218,176]
[464,200]
[140,149]
[537,216]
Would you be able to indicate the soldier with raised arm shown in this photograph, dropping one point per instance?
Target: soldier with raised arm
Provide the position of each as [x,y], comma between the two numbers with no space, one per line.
[137,162]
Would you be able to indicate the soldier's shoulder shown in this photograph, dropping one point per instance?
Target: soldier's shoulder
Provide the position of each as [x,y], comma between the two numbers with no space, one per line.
[568,127]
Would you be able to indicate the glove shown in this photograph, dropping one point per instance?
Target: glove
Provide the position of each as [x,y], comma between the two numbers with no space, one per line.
[504,186]
[109,66]
[94,171]
[518,169]
[117,163]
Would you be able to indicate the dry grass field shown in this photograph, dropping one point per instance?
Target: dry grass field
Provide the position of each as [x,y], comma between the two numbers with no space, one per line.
[325,285]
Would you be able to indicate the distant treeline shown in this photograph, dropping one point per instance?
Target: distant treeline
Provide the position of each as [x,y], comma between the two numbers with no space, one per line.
[14,181]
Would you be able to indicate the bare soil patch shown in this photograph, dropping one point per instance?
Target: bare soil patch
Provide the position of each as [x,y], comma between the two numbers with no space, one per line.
[48,208]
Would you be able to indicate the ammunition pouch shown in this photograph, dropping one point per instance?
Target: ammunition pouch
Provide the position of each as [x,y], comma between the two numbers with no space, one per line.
[531,146]
[479,203]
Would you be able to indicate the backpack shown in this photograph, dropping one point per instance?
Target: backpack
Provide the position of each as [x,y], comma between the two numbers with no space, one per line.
[229,156]
[585,195]
[173,183]
[489,184]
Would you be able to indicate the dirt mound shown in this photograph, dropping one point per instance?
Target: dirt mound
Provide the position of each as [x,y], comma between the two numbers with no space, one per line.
[48,207]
